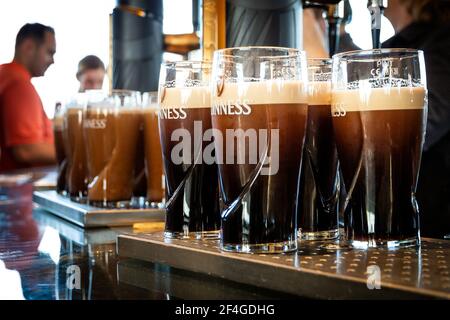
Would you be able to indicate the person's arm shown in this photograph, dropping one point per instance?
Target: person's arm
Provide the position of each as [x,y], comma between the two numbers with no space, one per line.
[26,129]
[39,153]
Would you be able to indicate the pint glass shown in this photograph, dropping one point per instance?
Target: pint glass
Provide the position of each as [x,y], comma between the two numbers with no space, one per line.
[76,173]
[259,110]
[111,130]
[192,205]
[319,182]
[379,107]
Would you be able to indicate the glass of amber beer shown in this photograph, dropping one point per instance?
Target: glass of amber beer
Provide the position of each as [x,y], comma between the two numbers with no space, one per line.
[379,109]
[152,150]
[72,131]
[60,148]
[259,110]
[184,117]
[111,126]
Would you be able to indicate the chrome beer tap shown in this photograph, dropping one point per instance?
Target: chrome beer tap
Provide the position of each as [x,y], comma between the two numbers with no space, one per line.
[376,8]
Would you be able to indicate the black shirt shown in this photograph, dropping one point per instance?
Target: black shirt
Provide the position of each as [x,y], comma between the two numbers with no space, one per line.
[433,191]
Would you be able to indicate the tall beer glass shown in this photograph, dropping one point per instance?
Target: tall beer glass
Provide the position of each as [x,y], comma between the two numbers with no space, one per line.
[259,110]
[191,174]
[111,130]
[319,182]
[60,148]
[379,106]
[152,146]
[76,176]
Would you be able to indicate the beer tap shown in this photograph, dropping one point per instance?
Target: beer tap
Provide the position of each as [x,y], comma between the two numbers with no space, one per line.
[334,16]
[376,8]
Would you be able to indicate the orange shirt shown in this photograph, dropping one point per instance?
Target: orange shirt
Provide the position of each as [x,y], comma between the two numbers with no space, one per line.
[22,116]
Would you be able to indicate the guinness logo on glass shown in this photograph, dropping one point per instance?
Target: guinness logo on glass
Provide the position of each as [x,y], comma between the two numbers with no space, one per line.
[220,85]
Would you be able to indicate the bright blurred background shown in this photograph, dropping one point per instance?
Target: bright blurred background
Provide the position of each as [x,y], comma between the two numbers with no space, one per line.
[82,28]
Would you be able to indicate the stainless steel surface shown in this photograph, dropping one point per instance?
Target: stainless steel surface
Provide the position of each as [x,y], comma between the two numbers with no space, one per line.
[76,234]
[312,271]
[182,284]
[88,216]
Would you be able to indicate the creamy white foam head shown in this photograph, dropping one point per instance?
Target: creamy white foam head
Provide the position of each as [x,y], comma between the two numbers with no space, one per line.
[189,97]
[264,92]
[130,111]
[319,93]
[393,98]
[153,106]
[72,111]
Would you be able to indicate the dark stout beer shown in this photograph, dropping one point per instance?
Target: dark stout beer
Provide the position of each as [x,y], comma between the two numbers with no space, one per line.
[259,201]
[192,185]
[318,217]
[379,138]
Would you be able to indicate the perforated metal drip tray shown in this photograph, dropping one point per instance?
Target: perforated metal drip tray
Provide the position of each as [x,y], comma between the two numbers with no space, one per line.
[88,216]
[311,271]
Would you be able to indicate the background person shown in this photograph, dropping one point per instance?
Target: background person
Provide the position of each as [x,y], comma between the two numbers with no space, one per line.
[26,136]
[424,25]
[91,73]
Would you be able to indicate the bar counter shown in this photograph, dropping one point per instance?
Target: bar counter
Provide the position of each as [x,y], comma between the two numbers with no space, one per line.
[45,257]
[42,255]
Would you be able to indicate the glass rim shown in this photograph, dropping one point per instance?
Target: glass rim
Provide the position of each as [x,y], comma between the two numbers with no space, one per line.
[319,62]
[294,51]
[150,93]
[360,54]
[184,64]
[320,59]
[149,99]
[123,91]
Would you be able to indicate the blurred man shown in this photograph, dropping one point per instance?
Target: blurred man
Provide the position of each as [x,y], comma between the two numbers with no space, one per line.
[91,72]
[26,137]
[425,25]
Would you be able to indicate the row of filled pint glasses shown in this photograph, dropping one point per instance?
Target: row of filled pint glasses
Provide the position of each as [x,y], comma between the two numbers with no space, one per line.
[263,145]
[108,149]
[263,142]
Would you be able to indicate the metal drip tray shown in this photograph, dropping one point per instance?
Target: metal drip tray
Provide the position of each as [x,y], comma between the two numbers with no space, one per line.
[311,271]
[88,216]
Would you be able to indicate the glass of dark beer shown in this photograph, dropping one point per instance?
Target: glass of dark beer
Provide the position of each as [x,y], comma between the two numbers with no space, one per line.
[111,126]
[76,172]
[184,118]
[319,182]
[259,110]
[379,108]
